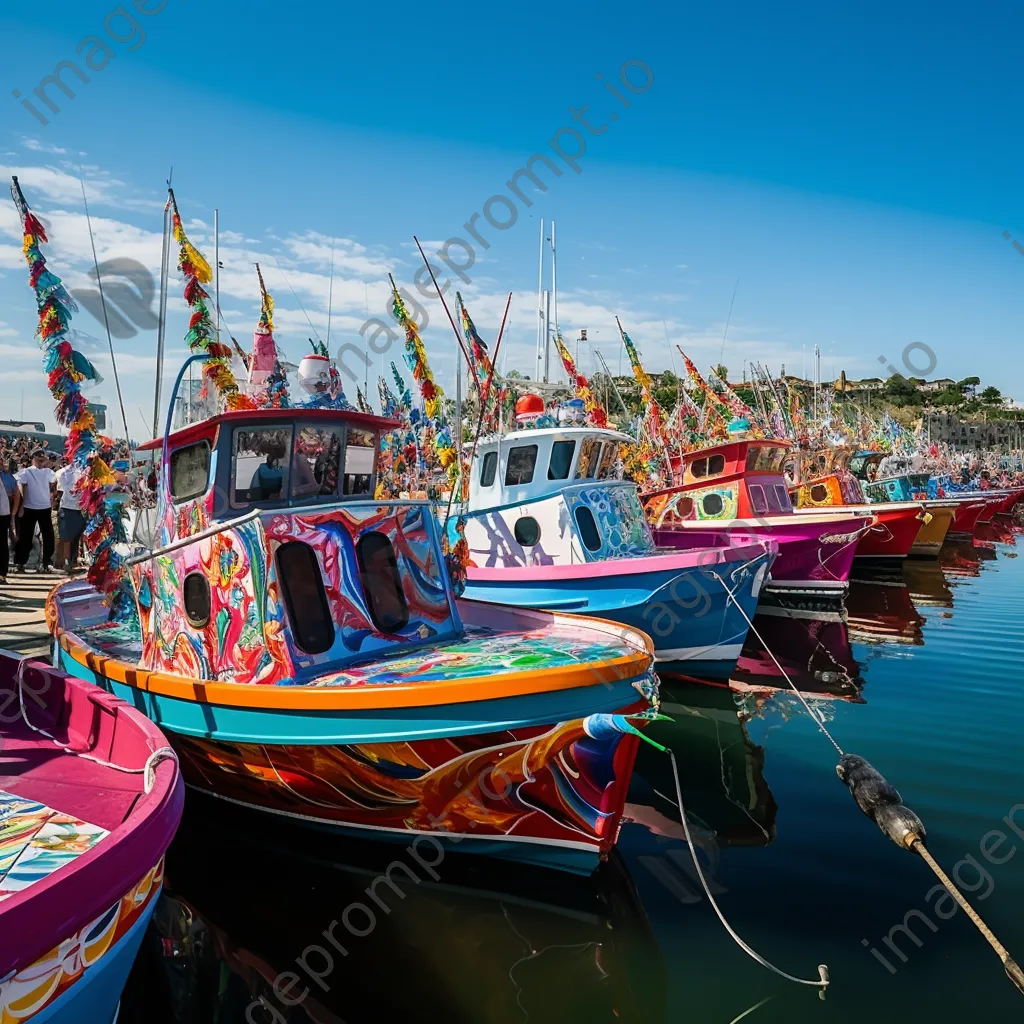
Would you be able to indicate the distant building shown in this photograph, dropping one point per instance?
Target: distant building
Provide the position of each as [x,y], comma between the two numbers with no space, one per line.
[948,427]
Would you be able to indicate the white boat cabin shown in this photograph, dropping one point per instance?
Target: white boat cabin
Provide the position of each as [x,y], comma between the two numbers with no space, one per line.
[552,496]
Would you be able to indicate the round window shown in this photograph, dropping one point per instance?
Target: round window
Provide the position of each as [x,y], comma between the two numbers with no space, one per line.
[527,531]
[712,504]
[819,492]
[195,593]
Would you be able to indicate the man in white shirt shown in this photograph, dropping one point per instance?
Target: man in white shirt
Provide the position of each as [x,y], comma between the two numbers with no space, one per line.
[33,506]
[5,525]
[70,518]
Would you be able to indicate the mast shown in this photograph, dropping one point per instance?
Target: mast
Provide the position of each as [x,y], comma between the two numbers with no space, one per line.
[541,321]
[165,256]
[554,285]
[547,335]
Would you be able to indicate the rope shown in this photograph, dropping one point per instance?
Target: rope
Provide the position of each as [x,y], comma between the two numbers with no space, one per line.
[823,978]
[148,770]
[817,718]
[912,842]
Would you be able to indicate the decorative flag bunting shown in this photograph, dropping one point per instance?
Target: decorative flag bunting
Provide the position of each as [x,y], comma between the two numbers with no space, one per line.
[201,336]
[652,418]
[735,404]
[416,357]
[264,365]
[67,369]
[593,408]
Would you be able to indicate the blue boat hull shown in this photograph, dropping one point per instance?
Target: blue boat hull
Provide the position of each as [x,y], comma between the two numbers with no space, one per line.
[697,620]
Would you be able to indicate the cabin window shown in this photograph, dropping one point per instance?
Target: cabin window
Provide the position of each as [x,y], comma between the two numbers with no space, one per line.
[758,499]
[561,460]
[382,583]
[195,597]
[712,504]
[782,500]
[608,456]
[190,471]
[488,469]
[302,585]
[260,464]
[315,462]
[711,466]
[521,463]
[587,526]
[819,493]
[527,531]
[589,449]
[684,507]
[360,452]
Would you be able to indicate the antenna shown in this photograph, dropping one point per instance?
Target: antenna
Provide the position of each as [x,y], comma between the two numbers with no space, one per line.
[728,320]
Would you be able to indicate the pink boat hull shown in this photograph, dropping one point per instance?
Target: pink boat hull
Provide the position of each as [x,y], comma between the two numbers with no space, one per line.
[814,555]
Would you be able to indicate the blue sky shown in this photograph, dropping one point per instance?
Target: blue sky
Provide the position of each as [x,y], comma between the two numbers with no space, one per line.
[852,166]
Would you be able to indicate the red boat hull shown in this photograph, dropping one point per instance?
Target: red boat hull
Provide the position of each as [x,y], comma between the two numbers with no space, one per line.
[966,518]
[892,536]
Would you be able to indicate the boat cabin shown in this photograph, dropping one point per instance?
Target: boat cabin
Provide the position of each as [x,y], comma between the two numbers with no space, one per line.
[822,479]
[552,496]
[733,480]
[272,560]
[887,477]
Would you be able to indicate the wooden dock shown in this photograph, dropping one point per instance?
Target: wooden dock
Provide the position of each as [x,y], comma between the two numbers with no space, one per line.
[22,624]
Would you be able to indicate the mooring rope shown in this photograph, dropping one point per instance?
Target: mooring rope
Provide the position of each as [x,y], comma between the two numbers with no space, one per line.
[882,803]
[822,981]
[148,770]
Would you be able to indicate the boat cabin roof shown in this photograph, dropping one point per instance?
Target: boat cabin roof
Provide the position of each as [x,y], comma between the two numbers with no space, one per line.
[535,463]
[207,429]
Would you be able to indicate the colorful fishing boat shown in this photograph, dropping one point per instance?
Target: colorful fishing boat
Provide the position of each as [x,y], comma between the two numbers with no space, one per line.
[902,487]
[301,644]
[90,798]
[736,492]
[823,480]
[549,525]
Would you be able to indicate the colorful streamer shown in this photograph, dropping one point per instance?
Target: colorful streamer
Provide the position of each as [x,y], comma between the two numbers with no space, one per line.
[66,370]
[201,336]
[593,408]
[416,358]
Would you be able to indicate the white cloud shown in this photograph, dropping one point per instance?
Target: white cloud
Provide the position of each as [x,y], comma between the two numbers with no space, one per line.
[41,147]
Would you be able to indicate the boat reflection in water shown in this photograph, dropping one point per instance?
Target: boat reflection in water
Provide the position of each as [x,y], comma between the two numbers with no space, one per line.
[465,940]
[880,610]
[928,585]
[721,770]
[816,655]
[966,558]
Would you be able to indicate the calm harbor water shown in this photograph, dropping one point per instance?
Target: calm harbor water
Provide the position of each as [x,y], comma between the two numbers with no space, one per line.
[922,680]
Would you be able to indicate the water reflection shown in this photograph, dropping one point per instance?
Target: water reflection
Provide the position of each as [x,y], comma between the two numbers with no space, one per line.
[880,610]
[247,895]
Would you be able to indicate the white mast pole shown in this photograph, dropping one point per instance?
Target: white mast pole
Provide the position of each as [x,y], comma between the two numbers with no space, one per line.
[165,256]
[540,301]
[554,294]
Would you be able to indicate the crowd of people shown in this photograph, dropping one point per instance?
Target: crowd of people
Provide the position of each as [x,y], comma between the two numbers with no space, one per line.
[39,505]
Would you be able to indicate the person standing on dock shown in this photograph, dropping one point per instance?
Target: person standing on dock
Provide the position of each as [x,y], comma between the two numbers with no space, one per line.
[33,506]
[7,486]
[70,519]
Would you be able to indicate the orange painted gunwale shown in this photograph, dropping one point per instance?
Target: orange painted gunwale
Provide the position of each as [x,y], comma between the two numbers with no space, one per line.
[430,693]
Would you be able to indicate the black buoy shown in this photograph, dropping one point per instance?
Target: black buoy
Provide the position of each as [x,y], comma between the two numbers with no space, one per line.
[880,801]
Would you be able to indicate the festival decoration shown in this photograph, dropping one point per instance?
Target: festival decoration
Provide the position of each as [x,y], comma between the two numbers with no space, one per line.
[201,336]
[264,363]
[594,408]
[416,357]
[652,419]
[67,369]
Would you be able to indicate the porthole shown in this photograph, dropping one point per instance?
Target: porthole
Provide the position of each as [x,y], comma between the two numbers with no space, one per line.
[527,531]
[195,595]
[819,492]
[712,504]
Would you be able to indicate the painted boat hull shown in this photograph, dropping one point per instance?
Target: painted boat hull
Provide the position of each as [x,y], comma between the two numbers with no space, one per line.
[696,615]
[491,745]
[73,914]
[892,535]
[932,534]
[815,554]
[966,517]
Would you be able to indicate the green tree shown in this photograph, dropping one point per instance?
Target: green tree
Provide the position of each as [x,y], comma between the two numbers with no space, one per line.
[722,371]
[968,384]
[901,392]
[992,396]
